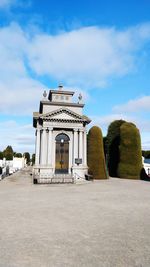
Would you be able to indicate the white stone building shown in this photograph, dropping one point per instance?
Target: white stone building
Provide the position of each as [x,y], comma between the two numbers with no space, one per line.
[61,137]
[16,163]
[11,166]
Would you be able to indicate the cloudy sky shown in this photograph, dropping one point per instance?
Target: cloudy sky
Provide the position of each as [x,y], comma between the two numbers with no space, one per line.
[100,48]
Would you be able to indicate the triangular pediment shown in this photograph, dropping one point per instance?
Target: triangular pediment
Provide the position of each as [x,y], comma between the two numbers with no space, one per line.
[64,114]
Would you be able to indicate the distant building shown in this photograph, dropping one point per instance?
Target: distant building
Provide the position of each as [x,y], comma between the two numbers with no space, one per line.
[146,165]
[11,166]
[16,163]
[61,137]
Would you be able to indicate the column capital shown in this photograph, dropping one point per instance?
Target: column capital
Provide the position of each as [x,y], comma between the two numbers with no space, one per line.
[81,130]
[75,130]
[44,129]
[50,128]
[39,129]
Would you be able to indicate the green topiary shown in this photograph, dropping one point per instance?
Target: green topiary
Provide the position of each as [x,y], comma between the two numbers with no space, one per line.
[112,146]
[96,158]
[130,164]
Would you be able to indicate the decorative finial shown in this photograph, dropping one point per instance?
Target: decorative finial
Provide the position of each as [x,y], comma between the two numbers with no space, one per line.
[45,94]
[80,98]
[60,86]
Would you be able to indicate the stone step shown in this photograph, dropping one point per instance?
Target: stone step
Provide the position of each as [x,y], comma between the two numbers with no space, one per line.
[56,179]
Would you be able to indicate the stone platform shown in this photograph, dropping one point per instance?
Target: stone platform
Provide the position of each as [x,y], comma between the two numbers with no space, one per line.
[56,179]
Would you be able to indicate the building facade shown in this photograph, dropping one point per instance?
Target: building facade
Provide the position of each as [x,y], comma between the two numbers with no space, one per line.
[61,137]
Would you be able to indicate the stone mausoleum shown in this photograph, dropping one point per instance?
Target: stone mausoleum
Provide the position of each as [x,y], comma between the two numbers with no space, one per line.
[61,138]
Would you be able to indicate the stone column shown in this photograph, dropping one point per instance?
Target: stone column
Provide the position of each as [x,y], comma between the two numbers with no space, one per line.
[81,144]
[44,147]
[37,149]
[85,148]
[75,145]
[49,151]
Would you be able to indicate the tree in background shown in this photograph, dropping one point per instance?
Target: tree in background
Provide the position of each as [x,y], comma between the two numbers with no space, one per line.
[130,164]
[27,156]
[33,159]
[112,146]
[1,155]
[18,155]
[146,154]
[8,153]
[96,158]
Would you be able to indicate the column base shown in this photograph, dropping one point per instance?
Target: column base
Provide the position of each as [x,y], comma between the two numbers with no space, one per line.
[43,171]
[80,171]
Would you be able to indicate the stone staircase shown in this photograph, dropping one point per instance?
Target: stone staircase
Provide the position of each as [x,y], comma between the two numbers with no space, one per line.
[56,179]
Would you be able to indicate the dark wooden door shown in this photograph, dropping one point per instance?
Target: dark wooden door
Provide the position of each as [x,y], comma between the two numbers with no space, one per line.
[62,157]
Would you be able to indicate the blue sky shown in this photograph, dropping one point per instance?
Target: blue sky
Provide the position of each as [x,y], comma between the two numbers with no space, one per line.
[98,48]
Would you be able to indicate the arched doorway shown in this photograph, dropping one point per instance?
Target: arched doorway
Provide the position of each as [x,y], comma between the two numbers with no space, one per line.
[62,153]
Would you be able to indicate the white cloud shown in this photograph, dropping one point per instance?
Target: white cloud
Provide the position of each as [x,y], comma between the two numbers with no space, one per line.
[85,58]
[104,121]
[142,124]
[133,111]
[20,93]
[139,104]
[20,137]
[21,97]
[7,4]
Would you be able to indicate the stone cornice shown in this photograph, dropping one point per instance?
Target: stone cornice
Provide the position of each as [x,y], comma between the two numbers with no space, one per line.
[60,92]
[64,120]
[61,104]
[74,117]
[59,111]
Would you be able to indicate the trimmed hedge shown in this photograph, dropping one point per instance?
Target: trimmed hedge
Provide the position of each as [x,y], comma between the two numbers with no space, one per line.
[130,163]
[95,155]
[112,145]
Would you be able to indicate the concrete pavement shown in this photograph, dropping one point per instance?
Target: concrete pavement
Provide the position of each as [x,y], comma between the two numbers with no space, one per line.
[100,224]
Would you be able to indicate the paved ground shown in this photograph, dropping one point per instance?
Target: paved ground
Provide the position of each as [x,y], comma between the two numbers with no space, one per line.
[101,224]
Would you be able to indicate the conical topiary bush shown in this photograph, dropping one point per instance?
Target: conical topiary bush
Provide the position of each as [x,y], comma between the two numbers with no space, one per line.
[112,146]
[96,158]
[130,163]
